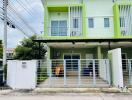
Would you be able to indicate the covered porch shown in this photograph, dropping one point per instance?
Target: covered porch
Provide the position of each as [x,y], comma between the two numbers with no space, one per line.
[81,64]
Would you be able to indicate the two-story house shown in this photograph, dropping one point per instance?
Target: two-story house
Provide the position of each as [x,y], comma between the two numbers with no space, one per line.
[79,33]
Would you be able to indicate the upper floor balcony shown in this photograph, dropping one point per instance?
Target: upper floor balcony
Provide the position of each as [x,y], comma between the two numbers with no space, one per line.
[123,20]
[65,20]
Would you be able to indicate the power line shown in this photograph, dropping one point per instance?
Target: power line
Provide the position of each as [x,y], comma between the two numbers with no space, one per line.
[20,16]
[10,21]
[22,5]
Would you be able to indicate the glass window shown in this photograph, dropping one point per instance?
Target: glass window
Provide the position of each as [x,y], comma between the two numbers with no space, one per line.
[106,22]
[122,22]
[54,28]
[91,23]
[75,23]
[59,28]
[63,28]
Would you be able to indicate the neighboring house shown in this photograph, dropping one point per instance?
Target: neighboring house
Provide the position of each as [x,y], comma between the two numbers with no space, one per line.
[9,53]
[79,34]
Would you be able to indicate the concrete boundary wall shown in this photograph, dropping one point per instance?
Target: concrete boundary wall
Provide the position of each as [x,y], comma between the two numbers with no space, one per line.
[22,74]
[116,67]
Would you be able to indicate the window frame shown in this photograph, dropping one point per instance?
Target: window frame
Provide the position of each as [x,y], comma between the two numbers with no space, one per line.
[91,22]
[106,22]
[59,28]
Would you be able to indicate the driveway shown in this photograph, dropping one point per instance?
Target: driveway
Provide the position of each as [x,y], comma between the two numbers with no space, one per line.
[66,96]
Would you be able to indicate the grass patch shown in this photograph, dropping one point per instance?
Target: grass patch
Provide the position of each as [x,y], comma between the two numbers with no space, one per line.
[41,74]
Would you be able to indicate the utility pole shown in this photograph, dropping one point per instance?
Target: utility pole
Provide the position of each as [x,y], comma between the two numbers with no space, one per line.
[5,2]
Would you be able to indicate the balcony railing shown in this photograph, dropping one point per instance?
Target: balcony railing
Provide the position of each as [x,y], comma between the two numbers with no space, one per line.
[64,31]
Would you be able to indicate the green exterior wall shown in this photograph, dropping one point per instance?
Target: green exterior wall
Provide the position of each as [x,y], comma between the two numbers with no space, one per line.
[98,52]
[82,52]
[117,30]
[64,8]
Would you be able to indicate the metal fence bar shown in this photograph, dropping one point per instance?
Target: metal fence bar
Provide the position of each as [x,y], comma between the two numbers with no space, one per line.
[130,72]
[50,73]
[65,83]
[94,74]
[74,73]
[79,72]
[108,71]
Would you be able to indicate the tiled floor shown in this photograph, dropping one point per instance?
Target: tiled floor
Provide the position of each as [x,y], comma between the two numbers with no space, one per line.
[73,82]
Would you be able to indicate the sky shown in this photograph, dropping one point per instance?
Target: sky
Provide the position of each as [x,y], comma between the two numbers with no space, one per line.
[33,16]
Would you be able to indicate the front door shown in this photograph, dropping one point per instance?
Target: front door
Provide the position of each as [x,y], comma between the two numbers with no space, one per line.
[72,61]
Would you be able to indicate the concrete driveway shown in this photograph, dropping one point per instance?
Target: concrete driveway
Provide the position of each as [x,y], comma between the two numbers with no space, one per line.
[70,96]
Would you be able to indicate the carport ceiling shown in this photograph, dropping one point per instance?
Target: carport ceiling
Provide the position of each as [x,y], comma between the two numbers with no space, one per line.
[89,45]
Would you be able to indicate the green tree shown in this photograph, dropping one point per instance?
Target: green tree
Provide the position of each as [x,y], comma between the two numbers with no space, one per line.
[28,50]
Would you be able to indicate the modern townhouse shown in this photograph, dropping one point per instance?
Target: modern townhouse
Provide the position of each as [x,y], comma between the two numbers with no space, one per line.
[79,34]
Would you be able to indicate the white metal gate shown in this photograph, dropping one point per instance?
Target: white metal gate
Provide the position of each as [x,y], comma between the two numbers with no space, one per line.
[74,73]
[127,72]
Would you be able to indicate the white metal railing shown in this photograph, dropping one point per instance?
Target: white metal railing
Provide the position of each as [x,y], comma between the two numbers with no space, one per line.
[127,72]
[64,31]
[125,19]
[74,73]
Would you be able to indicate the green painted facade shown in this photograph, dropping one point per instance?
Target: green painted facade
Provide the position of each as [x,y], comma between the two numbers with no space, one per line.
[99,52]
[117,30]
[81,51]
[84,35]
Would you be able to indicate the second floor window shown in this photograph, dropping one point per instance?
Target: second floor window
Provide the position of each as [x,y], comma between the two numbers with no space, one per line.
[59,28]
[91,22]
[75,23]
[106,22]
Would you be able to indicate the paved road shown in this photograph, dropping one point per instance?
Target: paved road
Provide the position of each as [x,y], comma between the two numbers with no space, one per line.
[68,97]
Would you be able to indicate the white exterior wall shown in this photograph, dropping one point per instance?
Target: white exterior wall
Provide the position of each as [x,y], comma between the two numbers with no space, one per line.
[100,9]
[54,2]
[116,64]
[20,77]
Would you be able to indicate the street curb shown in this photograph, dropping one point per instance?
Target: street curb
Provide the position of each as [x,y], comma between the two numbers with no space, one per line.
[78,90]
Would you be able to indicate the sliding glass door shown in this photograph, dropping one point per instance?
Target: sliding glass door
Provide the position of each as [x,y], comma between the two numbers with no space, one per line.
[59,28]
[72,62]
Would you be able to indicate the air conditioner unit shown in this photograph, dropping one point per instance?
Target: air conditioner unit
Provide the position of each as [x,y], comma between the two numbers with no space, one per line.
[73,33]
[123,32]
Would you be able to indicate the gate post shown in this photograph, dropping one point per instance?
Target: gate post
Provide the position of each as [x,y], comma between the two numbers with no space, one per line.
[94,74]
[65,83]
[130,71]
[79,72]
[108,71]
[50,73]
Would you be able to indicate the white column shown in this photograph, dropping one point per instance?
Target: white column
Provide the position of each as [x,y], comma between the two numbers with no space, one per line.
[130,71]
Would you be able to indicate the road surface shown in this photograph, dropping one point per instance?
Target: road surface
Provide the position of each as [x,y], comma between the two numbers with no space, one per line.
[66,96]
